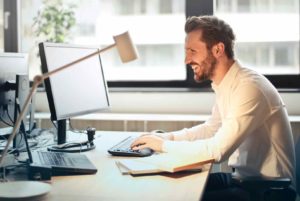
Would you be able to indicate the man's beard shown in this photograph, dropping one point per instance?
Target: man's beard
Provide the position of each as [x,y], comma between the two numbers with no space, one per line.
[208,67]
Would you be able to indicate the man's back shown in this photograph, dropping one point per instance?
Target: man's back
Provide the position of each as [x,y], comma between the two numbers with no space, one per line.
[268,148]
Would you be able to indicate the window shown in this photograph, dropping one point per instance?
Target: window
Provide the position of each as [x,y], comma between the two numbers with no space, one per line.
[267,36]
[161,50]
[267,33]
[1,27]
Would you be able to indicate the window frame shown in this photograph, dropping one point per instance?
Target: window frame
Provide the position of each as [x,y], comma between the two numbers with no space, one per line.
[11,32]
[282,82]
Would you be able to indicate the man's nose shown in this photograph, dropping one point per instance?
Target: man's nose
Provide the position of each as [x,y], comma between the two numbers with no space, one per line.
[187,59]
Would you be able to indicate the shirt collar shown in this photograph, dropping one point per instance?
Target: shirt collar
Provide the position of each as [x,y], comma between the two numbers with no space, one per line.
[228,78]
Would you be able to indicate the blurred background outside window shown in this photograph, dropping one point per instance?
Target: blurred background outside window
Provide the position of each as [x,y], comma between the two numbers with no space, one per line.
[267,33]
[156,27]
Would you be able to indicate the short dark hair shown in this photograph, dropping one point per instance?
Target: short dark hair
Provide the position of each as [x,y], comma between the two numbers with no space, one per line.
[214,30]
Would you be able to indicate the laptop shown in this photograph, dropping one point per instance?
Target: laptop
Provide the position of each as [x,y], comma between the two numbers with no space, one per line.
[60,163]
[55,163]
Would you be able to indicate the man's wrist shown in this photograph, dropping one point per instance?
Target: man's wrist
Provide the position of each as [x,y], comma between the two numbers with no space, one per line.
[163,135]
[168,136]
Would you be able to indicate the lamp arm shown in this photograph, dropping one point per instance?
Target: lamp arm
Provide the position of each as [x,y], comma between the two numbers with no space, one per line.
[46,75]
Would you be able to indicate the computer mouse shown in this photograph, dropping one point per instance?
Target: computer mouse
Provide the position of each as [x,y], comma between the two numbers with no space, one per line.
[146,152]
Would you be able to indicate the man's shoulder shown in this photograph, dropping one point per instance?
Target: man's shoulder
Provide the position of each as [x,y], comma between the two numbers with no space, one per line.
[247,76]
[254,84]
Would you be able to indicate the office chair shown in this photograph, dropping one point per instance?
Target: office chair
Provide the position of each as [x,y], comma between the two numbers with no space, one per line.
[271,188]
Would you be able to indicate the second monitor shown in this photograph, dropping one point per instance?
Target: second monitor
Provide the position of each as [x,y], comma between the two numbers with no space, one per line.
[14,84]
[79,90]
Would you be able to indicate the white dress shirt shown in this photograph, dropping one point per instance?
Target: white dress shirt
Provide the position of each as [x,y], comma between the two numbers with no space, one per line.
[249,126]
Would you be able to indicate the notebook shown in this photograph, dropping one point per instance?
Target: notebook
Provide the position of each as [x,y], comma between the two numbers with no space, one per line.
[163,162]
[133,167]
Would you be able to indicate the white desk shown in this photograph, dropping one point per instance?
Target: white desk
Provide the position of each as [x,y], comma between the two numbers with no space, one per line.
[110,184]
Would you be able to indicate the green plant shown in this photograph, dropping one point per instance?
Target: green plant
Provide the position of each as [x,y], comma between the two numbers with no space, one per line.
[54,21]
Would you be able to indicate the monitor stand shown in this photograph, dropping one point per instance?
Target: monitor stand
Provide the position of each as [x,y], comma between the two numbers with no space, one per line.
[21,92]
[63,146]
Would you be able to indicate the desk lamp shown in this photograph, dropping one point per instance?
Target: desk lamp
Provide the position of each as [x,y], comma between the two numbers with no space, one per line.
[126,50]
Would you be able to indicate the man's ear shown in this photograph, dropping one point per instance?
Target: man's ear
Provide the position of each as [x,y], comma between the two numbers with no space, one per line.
[218,49]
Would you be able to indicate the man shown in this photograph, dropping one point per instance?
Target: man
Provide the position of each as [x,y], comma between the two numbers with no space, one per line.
[249,124]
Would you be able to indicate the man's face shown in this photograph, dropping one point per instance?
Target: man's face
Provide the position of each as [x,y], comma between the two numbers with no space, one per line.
[199,57]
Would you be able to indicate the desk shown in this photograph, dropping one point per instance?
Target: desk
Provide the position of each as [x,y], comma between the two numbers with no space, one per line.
[110,184]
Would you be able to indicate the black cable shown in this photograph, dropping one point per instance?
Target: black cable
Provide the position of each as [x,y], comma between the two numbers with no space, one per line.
[7,112]
[54,124]
[72,146]
[23,130]
[75,130]
[1,119]
[20,139]
[21,162]
[3,138]
[70,124]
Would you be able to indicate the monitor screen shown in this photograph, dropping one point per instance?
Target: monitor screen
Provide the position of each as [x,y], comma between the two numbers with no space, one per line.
[78,90]
[13,81]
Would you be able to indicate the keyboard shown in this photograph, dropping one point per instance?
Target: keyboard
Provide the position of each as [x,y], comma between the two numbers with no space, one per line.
[123,149]
[55,158]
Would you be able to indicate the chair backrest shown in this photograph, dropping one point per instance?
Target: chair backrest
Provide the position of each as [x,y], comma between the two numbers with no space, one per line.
[297,153]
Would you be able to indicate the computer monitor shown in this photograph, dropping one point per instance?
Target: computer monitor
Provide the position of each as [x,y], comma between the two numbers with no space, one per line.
[78,90]
[14,83]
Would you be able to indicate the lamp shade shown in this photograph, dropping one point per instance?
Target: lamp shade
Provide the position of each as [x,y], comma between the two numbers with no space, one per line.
[126,49]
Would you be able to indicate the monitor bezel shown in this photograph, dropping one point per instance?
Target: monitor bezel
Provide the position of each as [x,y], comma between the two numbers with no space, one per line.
[47,82]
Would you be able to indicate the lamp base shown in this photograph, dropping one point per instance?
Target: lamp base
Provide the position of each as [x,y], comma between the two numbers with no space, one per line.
[26,190]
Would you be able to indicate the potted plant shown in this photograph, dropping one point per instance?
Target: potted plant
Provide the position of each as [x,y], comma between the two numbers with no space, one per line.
[54,21]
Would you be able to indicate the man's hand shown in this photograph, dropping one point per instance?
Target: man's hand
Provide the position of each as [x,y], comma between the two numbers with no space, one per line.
[148,141]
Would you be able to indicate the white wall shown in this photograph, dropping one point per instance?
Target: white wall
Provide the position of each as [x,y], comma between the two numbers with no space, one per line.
[168,102]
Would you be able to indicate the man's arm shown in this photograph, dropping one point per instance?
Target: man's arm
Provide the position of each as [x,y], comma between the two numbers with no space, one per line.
[248,110]
[155,140]
[201,131]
